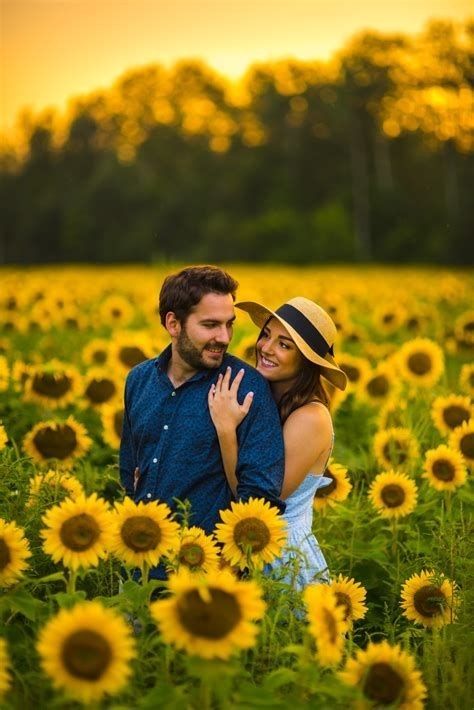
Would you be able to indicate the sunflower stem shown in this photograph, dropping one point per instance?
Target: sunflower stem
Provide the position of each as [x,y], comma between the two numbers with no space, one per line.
[71,582]
[144,575]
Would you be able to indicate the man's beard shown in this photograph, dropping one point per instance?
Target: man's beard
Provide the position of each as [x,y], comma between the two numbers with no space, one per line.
[191,355]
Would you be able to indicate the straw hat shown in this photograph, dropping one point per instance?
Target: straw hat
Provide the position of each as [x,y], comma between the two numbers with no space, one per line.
[311,328]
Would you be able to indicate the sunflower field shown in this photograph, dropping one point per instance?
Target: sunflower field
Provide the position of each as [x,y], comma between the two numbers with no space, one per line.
[79,627]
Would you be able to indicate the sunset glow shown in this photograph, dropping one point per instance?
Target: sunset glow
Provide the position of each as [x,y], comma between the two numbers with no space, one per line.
[57,49]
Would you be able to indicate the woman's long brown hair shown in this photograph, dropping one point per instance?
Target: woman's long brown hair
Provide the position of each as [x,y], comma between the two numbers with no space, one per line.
[306,388]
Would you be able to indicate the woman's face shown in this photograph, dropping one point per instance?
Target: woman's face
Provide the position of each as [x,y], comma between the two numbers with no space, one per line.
[278,358]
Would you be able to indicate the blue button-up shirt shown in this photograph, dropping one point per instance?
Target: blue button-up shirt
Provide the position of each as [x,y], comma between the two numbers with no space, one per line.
[169,436]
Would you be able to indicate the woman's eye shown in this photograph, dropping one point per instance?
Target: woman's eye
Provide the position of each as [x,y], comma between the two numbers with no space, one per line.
[284,346]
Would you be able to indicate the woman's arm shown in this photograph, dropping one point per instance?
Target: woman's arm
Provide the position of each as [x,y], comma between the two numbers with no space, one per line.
[307,435]
[227,413]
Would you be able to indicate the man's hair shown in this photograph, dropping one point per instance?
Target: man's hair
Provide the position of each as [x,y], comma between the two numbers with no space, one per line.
[182,291]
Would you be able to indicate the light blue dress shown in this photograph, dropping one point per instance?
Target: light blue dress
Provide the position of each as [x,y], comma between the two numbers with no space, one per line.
[302,561]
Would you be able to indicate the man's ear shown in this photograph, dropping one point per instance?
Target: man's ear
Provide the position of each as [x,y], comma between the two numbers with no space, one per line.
[172,324]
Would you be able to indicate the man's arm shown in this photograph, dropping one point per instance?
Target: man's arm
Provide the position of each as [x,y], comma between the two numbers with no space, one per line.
[127,460]
[261,460]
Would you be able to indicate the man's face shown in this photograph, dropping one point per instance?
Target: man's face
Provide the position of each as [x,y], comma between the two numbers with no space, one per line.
[202,341]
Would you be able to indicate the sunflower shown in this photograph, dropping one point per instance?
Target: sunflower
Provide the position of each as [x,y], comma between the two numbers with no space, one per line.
[389,318]
[450,412]
[393,494]
[53,384]
[356,368]
[336,491]
[336,396]
[4,374]
[96,352]
[3,437]
[142,533]
[462,439]
[385,675]
[57,441]
[378,385]
[14,551]
[86,651]
[464,328]
[116,310]
[351,596]
[253,531]
[392,414]
[54,481]
[99,387]
[466,378]
[20,373]
[420,362]
[444,468]
[4,665]
[246,349]
[210,615]
[112,421]
[429,599]
[395,447]
[197,551]
[78,531]
[130,348]
[326,623]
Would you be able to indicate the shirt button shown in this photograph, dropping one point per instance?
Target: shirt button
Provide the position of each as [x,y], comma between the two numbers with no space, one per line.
[173,394]
[166,427]
[155,460]
[148,495]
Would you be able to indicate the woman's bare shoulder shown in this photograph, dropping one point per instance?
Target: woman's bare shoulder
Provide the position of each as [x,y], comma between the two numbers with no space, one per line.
[311,414]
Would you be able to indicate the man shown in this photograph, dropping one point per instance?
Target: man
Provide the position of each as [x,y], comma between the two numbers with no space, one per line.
[169,448]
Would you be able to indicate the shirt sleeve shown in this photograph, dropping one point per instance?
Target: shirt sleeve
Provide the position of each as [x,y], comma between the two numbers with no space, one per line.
[261,456]
[127,455]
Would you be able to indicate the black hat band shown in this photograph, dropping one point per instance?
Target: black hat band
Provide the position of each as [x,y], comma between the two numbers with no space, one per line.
[305,329]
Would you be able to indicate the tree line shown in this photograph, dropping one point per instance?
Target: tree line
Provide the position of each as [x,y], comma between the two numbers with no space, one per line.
[368,157]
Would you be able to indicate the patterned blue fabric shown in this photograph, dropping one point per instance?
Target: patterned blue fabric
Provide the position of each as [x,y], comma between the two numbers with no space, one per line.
[302,561]
[169,436]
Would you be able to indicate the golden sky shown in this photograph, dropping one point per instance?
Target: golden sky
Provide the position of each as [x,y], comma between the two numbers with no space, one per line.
[54,49]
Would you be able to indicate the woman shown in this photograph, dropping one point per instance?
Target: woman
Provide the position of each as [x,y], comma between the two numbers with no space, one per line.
[294,350]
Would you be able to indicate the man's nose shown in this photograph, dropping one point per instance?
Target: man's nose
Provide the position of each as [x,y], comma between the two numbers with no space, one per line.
[224,335]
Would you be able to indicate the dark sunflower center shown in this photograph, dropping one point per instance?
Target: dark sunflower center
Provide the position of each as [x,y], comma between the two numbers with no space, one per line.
[213,619]
[467,445]
[353,373]
[5,555]
[131,356]
[251,533]
[378,386]
[118,422]
[469,327]
[79,533]
[140,533]
[99,356]
[395,452]
[429,601]
[331,626]
[383,684]
[327,490]
[116,313]
[56,443]
[344,600]
[444,470]
[454,415]
[49,385]
[392,495]
[388,318]
[413,323]
[72,323]
[191,554]
[101,390]
[419,363]
[86,655]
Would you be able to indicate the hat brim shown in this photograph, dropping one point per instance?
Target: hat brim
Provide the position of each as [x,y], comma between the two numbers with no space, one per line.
[330,369]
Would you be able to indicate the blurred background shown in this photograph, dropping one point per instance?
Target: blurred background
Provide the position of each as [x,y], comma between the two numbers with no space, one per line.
[299,131]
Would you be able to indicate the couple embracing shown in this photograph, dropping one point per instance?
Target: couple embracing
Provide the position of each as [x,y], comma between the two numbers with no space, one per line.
[202,426]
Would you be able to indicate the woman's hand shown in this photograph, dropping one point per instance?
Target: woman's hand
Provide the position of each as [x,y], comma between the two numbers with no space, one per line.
[225,410]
